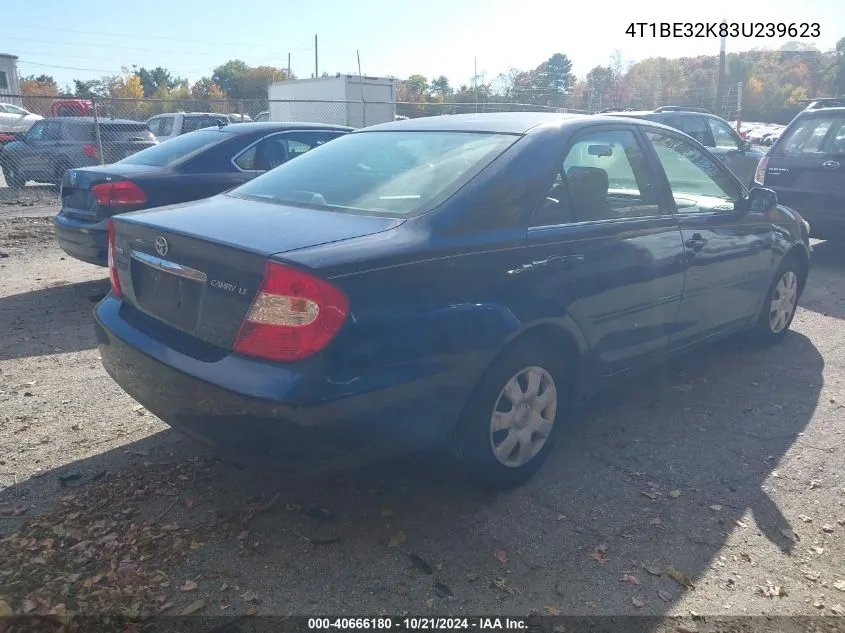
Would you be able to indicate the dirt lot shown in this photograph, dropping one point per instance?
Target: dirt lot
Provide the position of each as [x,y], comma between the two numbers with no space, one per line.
[724,472]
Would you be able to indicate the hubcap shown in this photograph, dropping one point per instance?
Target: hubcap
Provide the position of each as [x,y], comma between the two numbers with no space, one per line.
[784,301]
[523,417]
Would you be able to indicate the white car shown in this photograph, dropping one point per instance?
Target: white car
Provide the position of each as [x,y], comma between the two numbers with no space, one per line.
[173,124]
[15,119]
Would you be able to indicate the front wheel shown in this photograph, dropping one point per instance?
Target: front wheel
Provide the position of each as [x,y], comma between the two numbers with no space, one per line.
[14,180]
[781,303]
[505,432]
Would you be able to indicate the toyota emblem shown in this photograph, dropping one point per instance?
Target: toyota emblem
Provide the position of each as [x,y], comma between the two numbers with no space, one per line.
[161,246]
[830,164]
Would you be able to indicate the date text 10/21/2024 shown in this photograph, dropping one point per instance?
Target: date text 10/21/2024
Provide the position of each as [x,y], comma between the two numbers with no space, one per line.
[724,29]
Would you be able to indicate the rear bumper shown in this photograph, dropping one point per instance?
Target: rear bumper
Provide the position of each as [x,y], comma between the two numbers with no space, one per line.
[82,240]
[269,414]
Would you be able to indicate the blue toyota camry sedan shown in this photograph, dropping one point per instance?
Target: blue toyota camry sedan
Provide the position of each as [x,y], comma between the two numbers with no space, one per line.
[462,279]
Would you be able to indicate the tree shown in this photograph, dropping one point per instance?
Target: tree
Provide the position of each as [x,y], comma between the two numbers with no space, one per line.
[43,85]
[205,88]
[507,82]
[90,88]
[440,86]
[157,78]
[254,82]
[229,75]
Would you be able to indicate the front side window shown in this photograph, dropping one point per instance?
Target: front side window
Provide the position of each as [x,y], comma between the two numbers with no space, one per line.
[11,109]
[815,137]
[36,132]
[166,125]
[722,134]
[395,173]
[154,126]
[697,182]
[604,176]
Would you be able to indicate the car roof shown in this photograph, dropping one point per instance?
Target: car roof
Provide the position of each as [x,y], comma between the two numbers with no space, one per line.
[490,122]
[272,126]
[90,119]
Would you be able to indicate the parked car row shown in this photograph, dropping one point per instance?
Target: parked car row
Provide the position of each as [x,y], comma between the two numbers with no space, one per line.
[462,280]
[806,167]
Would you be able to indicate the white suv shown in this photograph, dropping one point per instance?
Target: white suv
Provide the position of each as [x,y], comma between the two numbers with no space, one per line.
[173,124]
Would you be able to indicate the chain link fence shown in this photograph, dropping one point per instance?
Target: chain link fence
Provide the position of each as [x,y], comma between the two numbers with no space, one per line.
[62,133]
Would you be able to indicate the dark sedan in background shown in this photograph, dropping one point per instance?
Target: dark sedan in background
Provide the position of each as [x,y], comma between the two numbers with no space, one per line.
[460,279]
[52,146]
[189,167]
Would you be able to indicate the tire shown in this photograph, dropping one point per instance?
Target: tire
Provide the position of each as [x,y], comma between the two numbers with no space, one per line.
[530,419]
[13,179]
[780,305]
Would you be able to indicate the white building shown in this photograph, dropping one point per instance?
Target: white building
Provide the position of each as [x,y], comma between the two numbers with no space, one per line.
[10,82]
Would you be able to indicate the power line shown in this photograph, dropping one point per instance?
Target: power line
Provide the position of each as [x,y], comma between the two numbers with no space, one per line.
[115,46]
[144,36]
[93,70]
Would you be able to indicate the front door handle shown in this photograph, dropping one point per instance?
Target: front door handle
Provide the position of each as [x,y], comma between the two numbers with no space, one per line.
[696,242]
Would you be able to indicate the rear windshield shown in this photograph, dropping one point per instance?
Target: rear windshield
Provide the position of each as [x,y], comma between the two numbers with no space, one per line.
[177,149]
[125,132]
[397,173]
[815,136]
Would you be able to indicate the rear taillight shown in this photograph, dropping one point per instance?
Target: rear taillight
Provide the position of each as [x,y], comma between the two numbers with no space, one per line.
[6,138]
[90,150]
[760,174]
[123,193]
[115,280]
[293,316]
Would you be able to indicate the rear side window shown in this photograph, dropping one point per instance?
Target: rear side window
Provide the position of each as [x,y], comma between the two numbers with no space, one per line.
[815,136]
[696,127]
[154,125]
[127,132]
[191,123]
[83,132]
[177,149]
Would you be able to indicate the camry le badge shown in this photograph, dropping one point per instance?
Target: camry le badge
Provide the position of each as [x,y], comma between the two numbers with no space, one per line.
[830,164]
[161,246]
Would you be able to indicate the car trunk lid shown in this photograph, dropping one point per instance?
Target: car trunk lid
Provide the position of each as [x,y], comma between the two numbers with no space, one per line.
[197,267]
[78,200]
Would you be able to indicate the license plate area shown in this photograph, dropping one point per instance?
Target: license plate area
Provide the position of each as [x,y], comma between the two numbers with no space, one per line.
[167,291]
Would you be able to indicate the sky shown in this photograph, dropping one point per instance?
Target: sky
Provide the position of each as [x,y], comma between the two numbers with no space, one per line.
[456,38]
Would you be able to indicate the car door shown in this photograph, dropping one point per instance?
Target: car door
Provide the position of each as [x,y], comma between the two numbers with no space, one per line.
[41,148]
[738,155]
[605,249]
[280,147]
[167,127]
[728,253]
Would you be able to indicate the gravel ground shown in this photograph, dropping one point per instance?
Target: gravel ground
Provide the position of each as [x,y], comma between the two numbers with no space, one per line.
[724,472]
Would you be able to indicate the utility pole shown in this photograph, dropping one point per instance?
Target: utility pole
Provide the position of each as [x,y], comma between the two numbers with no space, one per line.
[475,80]
[316,65]
[288,65]
[720,86]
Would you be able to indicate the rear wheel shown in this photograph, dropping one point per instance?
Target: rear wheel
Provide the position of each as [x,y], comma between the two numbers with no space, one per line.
[781,303]
[14,180]
[505,433]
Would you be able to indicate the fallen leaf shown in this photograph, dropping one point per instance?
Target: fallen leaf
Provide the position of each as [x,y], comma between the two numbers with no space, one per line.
[805,518]
[656,521]
[552,610]
[397,539]
[746,557]
[243,535]
[813,576]
[442,590]
[679,578]
[840,585]
[501,556]
[827,528]
[166,606]
[817,549]
[5,609]
[194,607]
[651,494]
[818,603]
[471,577]
[502,585]
[773,591]
[654,571]
[223,587]
[675,493]
[716,507]
[420,563]
[251,609]
[637,602]
[629,578]
[249,596]
[790,534]
[741,524]
[664,595]
[599,553]
[815,483]
[189,585]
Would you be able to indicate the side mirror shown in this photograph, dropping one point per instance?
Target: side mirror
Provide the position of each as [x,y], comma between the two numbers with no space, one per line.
[759,200]
[745,145]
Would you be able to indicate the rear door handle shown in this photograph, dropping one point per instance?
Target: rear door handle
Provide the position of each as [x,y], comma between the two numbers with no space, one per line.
[564,262]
